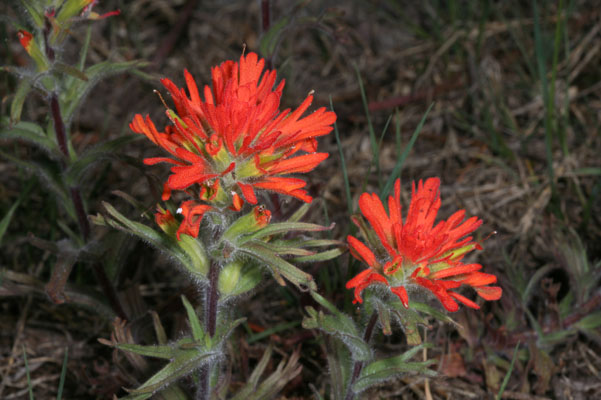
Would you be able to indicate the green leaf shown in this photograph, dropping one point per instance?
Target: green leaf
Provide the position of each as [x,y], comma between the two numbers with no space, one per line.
[34,12]
[159,330]
[302,242]
[282,249]
[339,365]
[282,227]
[31,133]
[325,303]
[189,255]
[224,330]
[339,325]
[433,312]
[7,217]
[76,90]
[107,150]
[238,277]
[157,351]
[300,212]
[197,332]
[70,70]
[51,178]
[270,39]
[323,256]
[184,362]
[591,321]
[390,368]
[279,266]
[16,107]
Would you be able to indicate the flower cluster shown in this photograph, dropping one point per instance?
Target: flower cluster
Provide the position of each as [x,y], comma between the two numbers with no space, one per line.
[235,140]
[416,253]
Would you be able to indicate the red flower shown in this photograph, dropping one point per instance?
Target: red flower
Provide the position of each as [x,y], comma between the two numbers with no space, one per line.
[236,140]
[416,253]
[192,213]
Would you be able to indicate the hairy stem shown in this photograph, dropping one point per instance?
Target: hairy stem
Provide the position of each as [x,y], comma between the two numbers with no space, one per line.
[212,297]
[82,218]
[211,300]
[359,364]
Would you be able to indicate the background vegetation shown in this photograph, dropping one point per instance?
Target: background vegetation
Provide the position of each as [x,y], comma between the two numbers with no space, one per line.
[514,134]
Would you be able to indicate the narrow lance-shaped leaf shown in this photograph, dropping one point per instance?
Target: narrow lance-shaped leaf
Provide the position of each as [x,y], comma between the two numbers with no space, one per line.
[271,38]
[197,332]
[185,362]
[16,107]
[390,368]
[34,10]
[283,227]
[106,150]
[259,251]
[50,178]
[158,351]
[29,132]
[339,325]
[76,92]
[319,257]
[6,218]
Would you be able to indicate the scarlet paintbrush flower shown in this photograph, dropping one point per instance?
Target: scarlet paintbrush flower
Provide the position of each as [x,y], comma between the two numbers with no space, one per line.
[416,253]
[236,140]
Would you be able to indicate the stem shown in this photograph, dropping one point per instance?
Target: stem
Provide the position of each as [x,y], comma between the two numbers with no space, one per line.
[82,218]
[265,25]
[59,125]
[211,300]
[359,364]
[212,297]
[84,224]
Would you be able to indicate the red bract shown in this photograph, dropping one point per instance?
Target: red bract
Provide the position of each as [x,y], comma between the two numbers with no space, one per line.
[236,140]
[416,253]
[25,39]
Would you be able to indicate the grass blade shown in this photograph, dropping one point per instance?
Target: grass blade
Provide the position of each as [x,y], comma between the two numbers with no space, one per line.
[508,374]
[29,386]
[399,164]
[6,219]
[542,74]
[61,382]
[347,186]
[370,127]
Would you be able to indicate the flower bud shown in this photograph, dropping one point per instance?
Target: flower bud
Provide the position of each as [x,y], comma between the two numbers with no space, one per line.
[237,278]
[229,277]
